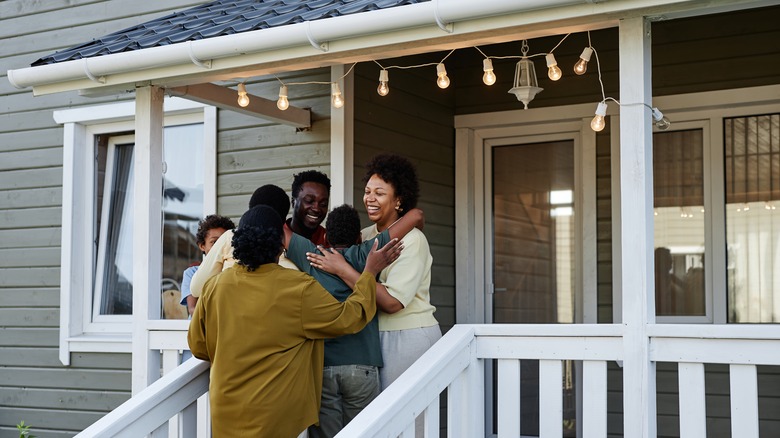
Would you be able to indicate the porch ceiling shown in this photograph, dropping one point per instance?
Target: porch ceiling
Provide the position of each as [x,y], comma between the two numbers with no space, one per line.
[351,31]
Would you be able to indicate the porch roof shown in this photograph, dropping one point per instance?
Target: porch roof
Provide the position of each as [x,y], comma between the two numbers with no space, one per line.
[240,39]
[217,18]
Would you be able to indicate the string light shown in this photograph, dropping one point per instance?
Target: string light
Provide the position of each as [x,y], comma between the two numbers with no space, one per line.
[661,122]
[337,99]
[598,124]
[582,64]
[441,73]
[553,71]
[383,88]
[525,84]
[489,78]
[243,98]
[283,103]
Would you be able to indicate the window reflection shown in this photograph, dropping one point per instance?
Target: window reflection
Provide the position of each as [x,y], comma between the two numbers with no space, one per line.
[752,176]
[678,187]
[182,208]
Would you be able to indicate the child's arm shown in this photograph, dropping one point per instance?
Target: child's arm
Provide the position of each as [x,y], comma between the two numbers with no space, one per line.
[414,218]
[212,264]
[288,236]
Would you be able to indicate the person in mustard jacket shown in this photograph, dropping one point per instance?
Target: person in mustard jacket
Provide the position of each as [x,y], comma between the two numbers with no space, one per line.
[262,328]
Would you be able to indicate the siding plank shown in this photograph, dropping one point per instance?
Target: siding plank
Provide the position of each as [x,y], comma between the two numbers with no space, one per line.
[30,217]
[65,378]
[30,317]
[30,297]
[46,197]
[30,159]
[13,238]
[31,178]
[72,400]
[26,277]
[31,257]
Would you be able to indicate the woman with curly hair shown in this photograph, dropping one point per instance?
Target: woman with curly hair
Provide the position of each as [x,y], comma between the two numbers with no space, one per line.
[407,327]
[262,328]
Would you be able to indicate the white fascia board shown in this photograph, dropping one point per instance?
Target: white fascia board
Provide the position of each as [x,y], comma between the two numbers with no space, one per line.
[231,54]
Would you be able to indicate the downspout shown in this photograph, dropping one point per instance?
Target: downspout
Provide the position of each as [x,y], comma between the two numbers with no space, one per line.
[440,13]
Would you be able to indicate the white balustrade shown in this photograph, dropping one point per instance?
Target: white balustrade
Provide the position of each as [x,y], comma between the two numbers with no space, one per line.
[457,364]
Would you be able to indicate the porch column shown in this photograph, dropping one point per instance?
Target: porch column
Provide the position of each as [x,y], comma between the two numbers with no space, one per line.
[342,149]
[636,227]
[147,230]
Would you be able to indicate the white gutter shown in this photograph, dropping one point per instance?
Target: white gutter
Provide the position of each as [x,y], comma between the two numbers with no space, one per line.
[228,56]
[316,33]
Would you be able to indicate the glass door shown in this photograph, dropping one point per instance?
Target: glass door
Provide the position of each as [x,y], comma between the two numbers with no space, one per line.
[533,227]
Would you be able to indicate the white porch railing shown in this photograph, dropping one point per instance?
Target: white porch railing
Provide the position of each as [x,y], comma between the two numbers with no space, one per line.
[457,363]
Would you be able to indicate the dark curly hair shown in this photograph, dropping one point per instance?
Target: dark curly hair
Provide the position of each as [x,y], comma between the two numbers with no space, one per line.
[309,176]
[398,172]
[209,223]
[343,226]
[272,196]
[258,238]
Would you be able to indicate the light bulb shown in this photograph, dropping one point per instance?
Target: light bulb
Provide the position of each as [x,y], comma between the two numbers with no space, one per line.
[283,103]
[582,64]
[243,99]
[442,81]
[598,123]
[383,88]
[553,71]
[489,78]
[338,100]
[661,121]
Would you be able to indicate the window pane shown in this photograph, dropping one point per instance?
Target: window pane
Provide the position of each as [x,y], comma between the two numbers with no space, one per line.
[117,285]
[752,169]
[182,208]
[678,187]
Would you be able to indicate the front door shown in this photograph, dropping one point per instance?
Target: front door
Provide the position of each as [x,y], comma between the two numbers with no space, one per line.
[532,222]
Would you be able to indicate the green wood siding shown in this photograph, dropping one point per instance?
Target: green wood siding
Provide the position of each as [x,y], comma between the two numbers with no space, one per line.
[57,401]
[414,120]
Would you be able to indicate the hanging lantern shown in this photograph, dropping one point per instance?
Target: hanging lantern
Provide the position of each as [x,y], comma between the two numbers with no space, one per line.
[526,87]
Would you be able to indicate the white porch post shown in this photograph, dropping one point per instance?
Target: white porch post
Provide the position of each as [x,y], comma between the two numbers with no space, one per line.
[636,227]
[147,231]
[342,149]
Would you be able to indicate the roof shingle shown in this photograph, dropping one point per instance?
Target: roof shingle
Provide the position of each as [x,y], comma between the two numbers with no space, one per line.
[217,18]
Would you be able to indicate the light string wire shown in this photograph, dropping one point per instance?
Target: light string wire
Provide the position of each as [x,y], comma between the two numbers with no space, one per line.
[604,97]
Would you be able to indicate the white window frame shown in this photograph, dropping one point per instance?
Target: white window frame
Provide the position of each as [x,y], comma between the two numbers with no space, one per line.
[78,331]
[476,134]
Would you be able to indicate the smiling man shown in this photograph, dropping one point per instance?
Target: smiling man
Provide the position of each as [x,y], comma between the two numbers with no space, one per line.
[310,197]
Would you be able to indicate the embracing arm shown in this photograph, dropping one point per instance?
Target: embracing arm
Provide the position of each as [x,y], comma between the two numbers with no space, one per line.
[212,264]
[333,262]
[414,218]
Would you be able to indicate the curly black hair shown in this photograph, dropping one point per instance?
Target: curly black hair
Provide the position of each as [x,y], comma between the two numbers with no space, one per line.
[343,226]
[258,238]
[272,196]
[309,176]
[209,223]
[398,172]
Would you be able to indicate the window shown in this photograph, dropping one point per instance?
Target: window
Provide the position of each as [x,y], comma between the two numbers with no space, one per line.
[751,150]
[678,212]
[716,182]
[97,267]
